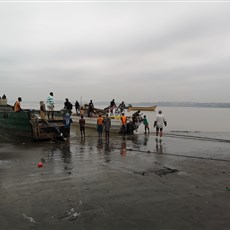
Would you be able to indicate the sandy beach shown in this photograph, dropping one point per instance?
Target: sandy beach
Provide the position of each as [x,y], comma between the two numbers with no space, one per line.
[132,182]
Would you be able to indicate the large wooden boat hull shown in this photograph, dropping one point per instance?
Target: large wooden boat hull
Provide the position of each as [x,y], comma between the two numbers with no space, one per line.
[27,125]
[142,108]
[91,122]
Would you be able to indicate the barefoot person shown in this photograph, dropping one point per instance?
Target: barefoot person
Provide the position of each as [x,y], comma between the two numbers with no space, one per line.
[82,126]
[100,125]
[159,123]
[107,125]
[146,124]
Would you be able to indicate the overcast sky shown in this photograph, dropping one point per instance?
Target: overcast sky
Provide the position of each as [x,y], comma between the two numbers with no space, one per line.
[128,51]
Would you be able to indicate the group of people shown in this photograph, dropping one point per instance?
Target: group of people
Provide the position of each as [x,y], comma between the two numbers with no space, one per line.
[106,122]
[159,124]
[102,123]
[3,96]
[119,109]
[112,109]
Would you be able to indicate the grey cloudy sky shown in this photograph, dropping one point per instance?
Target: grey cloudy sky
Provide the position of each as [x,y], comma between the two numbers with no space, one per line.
[131,51]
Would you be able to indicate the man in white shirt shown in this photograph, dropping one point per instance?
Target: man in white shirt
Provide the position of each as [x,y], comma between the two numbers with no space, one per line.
[159,123]
[50,105]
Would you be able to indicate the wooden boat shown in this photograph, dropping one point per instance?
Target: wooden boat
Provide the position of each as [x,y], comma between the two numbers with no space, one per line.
[142,108]
[27,124]
[91,122]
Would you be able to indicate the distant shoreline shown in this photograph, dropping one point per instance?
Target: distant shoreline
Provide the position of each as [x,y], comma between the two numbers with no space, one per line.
[178,104]
[163,104]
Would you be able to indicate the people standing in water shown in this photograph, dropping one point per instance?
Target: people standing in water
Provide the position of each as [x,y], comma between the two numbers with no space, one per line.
[82,126]
[50,105]
[42,112]
[100,125]
[90,108]
[82,111]
[107,125]
[146,124]
[67,121]
[17,105]
[124,123]
[159,123]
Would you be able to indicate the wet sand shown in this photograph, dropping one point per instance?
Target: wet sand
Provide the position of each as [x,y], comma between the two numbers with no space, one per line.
[132,182]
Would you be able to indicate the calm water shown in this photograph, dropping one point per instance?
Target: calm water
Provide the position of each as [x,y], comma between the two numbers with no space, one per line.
[185,119]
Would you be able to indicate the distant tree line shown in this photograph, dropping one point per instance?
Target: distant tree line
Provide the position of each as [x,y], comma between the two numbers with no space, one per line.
[177,104]
[194,104]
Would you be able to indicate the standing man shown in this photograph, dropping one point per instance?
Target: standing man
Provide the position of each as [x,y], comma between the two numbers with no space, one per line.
[122,106]
[159,123]
[42,112]
[67,121]
[50,105]
[90,109]
[112,106]
[107,124]
[68,106]
[99,125]
[77,107]
[82,126]
[124,123]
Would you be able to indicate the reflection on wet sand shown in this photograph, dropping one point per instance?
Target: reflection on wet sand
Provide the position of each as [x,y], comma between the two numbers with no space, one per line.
[123,149]
[100,144]
[146,138]
[66,153]
[107,152]
[159,146]
[108,147]
[82,140]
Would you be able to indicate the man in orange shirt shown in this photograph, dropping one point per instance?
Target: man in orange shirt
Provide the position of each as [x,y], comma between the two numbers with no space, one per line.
[17,105]
[99,125]
[124,123]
